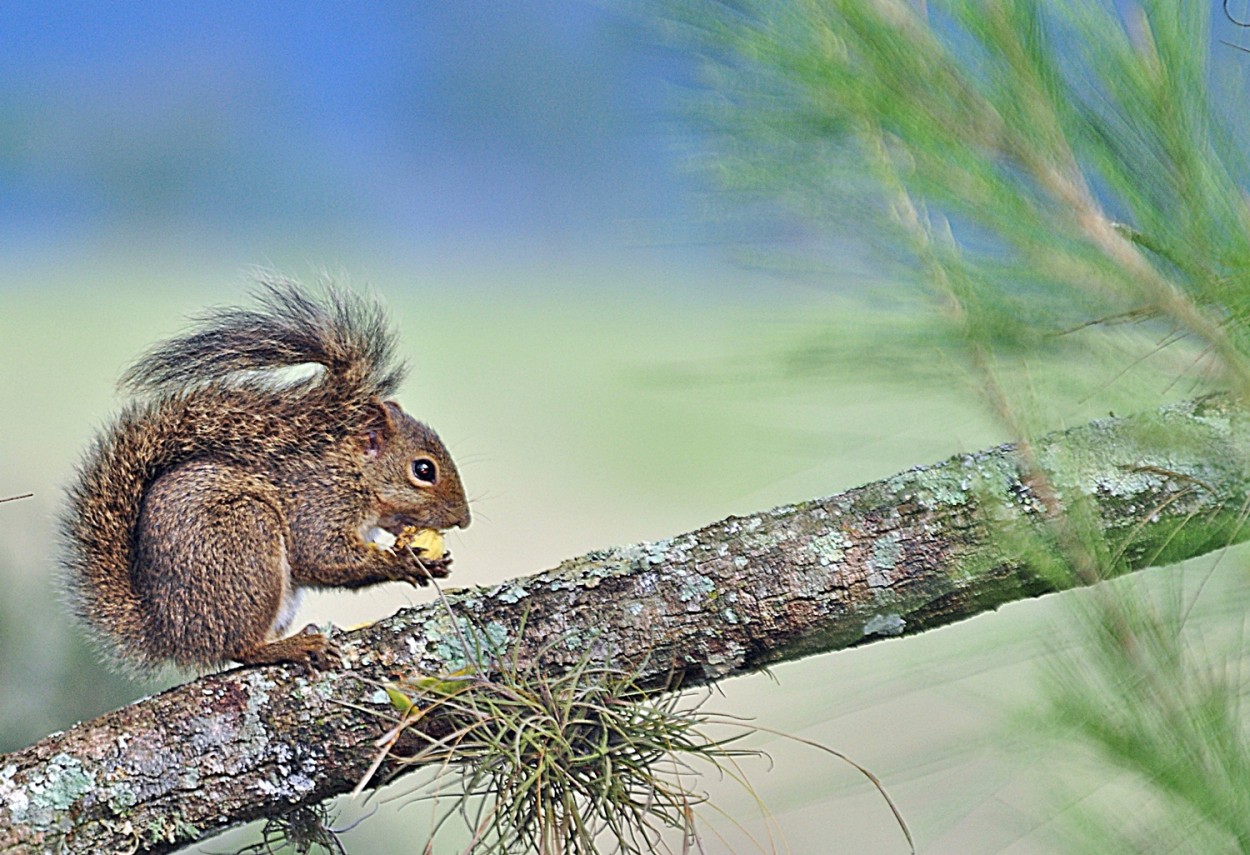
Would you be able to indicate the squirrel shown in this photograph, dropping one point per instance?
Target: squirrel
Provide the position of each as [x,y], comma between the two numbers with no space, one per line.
[198,518]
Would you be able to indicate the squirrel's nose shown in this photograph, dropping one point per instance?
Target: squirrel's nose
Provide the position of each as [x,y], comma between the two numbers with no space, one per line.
[463,520]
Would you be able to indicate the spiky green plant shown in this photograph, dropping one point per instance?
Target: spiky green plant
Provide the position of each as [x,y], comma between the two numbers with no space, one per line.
[580,762]
[1053,171]
[549,764]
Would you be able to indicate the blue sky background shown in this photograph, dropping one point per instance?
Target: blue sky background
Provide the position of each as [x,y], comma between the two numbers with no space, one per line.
[402,124]
[235,130]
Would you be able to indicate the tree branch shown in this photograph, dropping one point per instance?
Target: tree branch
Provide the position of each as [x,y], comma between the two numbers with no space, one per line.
[920,549]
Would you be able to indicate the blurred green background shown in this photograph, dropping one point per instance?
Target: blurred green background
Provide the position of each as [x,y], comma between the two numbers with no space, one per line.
[511,180]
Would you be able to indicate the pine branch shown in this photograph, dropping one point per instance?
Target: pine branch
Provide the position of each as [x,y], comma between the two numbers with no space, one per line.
[915,551]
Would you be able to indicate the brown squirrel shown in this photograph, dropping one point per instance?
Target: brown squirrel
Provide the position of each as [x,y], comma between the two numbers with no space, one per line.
[200,515]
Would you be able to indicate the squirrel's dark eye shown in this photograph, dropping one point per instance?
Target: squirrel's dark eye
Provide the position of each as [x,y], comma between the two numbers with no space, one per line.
[424,471]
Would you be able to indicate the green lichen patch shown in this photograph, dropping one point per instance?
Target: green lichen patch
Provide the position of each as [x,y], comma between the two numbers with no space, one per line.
[829,548]
[934,487]
[512,592]
[121,797]
[885,624]
[47,794]
[465,643]
[579,640]
[886,551]
[694,586]
[169,829]
[591,569]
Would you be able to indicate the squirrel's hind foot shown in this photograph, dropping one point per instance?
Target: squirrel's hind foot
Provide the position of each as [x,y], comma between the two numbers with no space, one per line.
[309,647]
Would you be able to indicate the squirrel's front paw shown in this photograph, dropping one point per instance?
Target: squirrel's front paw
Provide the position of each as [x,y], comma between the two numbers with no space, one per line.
[429,555]
[423,570]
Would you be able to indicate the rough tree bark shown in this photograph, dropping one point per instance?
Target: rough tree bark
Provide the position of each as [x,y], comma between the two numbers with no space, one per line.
[923,548]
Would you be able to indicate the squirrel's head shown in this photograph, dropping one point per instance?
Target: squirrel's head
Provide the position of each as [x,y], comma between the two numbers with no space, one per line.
[411,473]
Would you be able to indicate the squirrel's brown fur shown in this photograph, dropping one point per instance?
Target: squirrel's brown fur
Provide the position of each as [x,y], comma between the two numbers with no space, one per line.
[199,514]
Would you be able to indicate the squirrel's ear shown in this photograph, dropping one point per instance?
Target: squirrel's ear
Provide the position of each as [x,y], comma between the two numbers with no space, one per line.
[392,412]
[381,428]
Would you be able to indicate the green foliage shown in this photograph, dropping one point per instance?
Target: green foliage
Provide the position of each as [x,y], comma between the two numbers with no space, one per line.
[1047,165]
[1160,704]
[1052,171]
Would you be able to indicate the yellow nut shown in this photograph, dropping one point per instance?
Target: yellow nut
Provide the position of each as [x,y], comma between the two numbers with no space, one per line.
[427,541]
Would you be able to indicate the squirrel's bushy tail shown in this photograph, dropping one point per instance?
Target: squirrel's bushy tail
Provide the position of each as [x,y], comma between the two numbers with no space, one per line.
[194,381]
[347,335]
[98,527]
